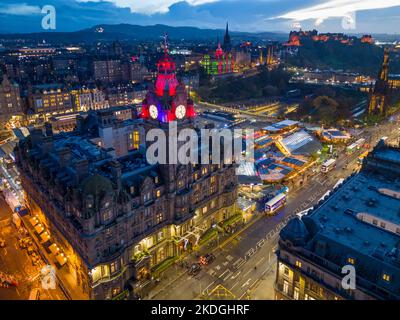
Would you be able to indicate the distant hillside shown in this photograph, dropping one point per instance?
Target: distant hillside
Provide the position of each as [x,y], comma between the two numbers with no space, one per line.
[135,32]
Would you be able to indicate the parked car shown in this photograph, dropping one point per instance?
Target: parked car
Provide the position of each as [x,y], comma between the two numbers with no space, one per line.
[207,259]
[195,269]
[31,250]
[25,242]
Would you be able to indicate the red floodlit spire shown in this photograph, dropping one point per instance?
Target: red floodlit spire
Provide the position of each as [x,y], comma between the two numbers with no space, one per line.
[219,52]
[166,78]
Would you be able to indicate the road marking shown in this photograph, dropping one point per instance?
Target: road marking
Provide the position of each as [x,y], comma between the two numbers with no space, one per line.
[240,298]
[250,252]
[259,261]
[246,283]
[225,263]
[236,275]
[229,274]
[211,272]
[229,258]
[235,284]
[223,273]
[206,289]
[218,267]
[247,273]
[239,263]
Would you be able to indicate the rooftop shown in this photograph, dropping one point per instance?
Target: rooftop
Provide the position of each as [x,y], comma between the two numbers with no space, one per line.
[361,220]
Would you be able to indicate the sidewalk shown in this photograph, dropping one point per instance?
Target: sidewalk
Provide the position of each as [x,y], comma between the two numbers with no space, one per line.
[264,289]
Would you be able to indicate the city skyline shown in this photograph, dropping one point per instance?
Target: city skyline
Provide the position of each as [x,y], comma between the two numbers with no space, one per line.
[245,16]
[176,163]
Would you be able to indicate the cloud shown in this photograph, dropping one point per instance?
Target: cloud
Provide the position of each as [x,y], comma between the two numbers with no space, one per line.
[337,9]
[20,9]
[149,7]
[243,15]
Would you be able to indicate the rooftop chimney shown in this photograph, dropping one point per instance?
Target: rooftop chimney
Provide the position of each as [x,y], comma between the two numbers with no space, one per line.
[81,168]
[64,156]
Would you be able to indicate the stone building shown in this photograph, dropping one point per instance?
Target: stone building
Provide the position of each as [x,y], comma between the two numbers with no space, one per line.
[10,100]
[356,228]
[116,217]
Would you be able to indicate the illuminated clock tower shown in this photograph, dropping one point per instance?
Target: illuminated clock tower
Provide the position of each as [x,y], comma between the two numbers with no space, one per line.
[167,100]
[167,103]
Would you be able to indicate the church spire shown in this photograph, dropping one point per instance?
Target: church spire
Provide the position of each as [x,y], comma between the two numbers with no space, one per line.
[227,39]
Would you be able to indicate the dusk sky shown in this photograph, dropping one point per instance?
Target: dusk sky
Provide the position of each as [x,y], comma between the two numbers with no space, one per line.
[371,16]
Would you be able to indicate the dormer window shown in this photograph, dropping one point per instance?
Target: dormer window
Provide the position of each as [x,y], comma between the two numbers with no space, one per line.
[156,180]
[107,215]
[386,277]
[147,197]
[89,202]
[351,261]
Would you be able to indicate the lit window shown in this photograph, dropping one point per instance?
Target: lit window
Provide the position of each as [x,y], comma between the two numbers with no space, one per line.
[158,193]
[114,267]
[159,217]
[286,271]
[386,277]
[136,139]
[107,215]
[351,260]
[205,209]
[296,293]
[383,225]
[298,264]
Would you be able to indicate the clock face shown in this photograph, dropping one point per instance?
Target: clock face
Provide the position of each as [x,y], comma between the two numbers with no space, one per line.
[153,111]
[180,111]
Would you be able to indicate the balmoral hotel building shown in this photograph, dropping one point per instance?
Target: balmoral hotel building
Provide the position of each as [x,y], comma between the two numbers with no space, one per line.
[116,217]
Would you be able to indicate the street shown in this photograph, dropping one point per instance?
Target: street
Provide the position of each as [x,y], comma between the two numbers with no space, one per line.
[247,259]
[17,262]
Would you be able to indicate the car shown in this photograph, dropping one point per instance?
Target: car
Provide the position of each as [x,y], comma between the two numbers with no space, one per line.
[195,269]
[207,259]
[31,250]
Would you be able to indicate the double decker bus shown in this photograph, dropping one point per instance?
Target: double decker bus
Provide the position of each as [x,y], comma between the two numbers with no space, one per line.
[275,203]
[328,165]
[355,146]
